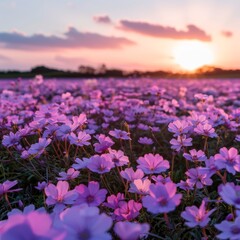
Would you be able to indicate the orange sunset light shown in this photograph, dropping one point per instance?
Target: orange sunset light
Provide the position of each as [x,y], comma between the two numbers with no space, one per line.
[190,55]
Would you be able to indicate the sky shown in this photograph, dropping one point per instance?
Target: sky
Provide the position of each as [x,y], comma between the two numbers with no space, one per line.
[126,34]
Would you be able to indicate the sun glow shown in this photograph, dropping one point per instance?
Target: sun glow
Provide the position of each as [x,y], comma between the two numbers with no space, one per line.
[191,55]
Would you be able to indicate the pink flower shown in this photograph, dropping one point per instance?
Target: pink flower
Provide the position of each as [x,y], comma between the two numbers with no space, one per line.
[152,164]
[179,127]
[91,195]
[181,141]
[205,130]
[131,230]
[59,194]
[197,118]
[80,140]
[162,198]
[118,157]
[140,186]
[127,210]
[113,200]
[78,121]
[198,177]
[7,185]
[195,155]
[197,216]
[130,175]
[69,175]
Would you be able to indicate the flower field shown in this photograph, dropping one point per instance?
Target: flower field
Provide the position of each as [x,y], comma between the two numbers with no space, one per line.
[119,159]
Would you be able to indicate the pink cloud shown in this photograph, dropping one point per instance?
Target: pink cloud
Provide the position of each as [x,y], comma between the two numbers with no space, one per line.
[4,58]
[159,31]
[102,19]
[227,34]
[70,39]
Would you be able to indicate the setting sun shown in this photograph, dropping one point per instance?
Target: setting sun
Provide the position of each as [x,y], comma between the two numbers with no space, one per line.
[191,55]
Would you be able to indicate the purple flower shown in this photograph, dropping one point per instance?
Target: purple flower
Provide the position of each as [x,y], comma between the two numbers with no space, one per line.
[161,179]
[145,140]
[80,140]
[152,164]
[127,210]
[230,194]
[83,222]
[11,139]
[47,114]
[140,186]
[59,194]
[91,195]
[33,225]
[143,126]
[41,186]
[119,134]
[104,144]
[38,148]
[131,230]
[211,167]
[100,164]
[80,164]
[50,130]
[63,132]
[229,230]
[197,216]
[195,156]
[198,177]
[228,159]
[186,185]
[6,187]
[130,175]
[181,141]
[26,210]
[162,198]
[69,175]
[118,157]
[205,130]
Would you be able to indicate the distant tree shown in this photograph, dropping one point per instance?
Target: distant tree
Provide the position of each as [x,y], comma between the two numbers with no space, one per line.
[86,69]
[43,69]
[102,69]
